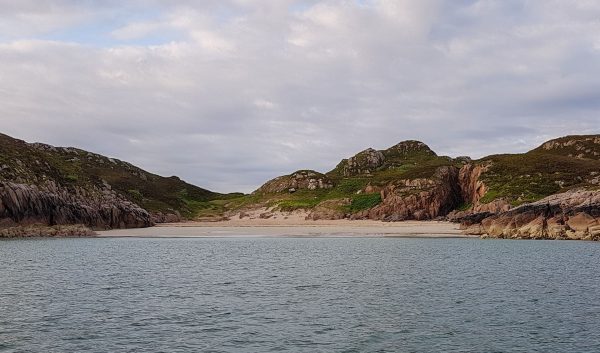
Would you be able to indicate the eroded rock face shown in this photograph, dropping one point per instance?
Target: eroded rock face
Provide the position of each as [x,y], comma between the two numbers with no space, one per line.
[51,204]
[570,215]
[471,187]
[418,199]
[303,179]
[472,190]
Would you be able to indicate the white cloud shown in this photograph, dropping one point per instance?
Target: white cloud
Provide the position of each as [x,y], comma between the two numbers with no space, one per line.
[138,30]
[264,104]
[247,90]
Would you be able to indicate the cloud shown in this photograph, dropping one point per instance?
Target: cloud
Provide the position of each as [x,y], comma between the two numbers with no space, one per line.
[236,92]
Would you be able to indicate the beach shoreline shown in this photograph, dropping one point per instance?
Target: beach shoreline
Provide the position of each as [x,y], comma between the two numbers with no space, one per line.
[293,228]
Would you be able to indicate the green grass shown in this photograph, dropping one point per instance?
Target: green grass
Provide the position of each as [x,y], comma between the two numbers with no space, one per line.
[528,177]
[346,187]
[364,202]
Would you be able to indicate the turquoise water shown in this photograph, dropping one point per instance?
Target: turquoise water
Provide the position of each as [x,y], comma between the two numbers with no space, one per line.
[299,295]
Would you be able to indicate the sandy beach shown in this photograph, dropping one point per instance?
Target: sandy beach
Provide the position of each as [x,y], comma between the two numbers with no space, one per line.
[293,228]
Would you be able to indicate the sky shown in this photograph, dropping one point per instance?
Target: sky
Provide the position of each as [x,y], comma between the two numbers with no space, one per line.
[227,94]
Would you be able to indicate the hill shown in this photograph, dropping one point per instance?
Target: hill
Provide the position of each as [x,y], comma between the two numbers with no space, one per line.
[410,181]
[40,183]
[556,166]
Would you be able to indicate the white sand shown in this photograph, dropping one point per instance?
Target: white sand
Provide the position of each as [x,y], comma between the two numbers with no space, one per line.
[293,227]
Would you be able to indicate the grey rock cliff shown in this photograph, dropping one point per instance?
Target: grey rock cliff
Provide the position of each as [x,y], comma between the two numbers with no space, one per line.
[51,204]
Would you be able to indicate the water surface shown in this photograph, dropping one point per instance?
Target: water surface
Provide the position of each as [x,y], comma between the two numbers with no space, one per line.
[298,295]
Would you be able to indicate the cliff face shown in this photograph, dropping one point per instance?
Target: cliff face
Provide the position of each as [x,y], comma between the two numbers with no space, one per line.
[53,205]
[419,199]
[43,184]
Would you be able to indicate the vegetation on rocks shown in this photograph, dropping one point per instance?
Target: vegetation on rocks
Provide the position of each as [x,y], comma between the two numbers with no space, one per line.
[405,181]
[409,181]
[89,187]
[531,176]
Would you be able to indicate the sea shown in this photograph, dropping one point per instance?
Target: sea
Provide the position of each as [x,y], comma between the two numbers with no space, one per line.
[338,294]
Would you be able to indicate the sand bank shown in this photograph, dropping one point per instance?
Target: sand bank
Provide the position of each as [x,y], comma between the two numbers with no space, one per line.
[293,228]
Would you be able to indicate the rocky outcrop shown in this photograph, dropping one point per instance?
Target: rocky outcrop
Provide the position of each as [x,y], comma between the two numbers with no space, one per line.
[364,162]
[422,198]
[47,185]
[302,179]
[581,147]
[369,161]
[164,217]
[406,149]
[51,204]
[571,215]
[418,199]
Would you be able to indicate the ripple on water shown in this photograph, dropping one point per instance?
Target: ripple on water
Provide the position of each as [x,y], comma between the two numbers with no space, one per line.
[298,295]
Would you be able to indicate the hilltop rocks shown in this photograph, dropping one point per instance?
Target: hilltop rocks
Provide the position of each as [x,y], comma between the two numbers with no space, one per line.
[51,204]
[302,179]
[570,215]
[367,162]
[581,147]
[364,162]
[407,148]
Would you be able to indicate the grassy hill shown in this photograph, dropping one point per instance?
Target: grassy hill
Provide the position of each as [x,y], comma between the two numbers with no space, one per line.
[556,166]
[36,163]
[355,180]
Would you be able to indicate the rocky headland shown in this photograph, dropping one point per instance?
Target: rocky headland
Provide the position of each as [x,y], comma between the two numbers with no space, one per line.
[52,191]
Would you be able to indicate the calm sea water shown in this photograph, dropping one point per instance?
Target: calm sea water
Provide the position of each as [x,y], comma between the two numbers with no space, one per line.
[299,295]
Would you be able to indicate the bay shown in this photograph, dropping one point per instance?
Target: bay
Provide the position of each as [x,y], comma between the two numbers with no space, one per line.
[298,295]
